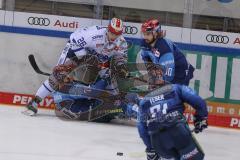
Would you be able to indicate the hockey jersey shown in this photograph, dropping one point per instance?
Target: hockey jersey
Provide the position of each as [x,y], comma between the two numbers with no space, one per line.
[94,40]
[165,52]
[166,101]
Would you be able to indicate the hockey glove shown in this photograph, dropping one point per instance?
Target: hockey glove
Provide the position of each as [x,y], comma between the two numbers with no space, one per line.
[60,76]
[152,154]
[61,72]
[200,123]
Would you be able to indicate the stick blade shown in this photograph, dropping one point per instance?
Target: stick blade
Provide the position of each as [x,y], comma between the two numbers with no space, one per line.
[35,66]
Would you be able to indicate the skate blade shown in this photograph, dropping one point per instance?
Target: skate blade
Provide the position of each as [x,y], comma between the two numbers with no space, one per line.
[28,112]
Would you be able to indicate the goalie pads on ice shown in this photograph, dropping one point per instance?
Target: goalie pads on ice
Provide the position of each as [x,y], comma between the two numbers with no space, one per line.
[65,108]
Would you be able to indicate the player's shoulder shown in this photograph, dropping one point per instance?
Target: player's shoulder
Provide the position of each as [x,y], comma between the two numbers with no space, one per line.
[163,42]
[97,29]
[89,31]
[89,34]
[164,39]
[184,89]
[98,33]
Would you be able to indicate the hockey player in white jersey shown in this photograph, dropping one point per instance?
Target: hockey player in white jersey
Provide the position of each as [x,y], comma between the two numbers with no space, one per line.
[104,42]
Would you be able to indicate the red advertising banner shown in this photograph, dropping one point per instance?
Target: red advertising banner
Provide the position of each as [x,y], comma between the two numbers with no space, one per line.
[220,114]
[23,99]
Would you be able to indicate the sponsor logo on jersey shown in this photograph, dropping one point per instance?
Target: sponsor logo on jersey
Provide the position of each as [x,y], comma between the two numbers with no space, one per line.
[100,27]
[190,154]
[167,62]
[97,37]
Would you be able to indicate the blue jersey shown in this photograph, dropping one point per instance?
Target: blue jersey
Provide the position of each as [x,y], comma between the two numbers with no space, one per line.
[166,53]
[164,101]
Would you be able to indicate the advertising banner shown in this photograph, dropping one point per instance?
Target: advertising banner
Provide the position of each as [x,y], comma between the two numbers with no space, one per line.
[23,99]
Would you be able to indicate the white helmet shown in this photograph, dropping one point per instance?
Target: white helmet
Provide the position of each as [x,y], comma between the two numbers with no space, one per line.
[116,26]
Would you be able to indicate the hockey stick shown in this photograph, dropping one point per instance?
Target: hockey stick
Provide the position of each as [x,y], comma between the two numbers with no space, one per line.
[34,65]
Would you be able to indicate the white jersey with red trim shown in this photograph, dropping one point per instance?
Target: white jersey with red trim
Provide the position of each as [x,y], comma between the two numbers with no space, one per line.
[94,39]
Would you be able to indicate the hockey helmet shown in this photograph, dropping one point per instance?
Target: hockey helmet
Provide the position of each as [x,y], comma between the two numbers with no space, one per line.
[116,26]
[151,25]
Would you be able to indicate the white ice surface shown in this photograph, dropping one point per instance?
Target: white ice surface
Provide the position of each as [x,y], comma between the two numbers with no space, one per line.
[46,137]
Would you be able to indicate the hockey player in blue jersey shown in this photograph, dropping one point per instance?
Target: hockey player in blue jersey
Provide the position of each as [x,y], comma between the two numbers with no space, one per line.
[162,125]
[158,50]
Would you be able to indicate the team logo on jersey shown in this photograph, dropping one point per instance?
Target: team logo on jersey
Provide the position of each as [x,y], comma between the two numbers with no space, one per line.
[156,52]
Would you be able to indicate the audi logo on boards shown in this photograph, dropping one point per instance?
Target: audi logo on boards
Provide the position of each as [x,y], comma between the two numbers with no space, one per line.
[38,21]
[217,38]
[130,30]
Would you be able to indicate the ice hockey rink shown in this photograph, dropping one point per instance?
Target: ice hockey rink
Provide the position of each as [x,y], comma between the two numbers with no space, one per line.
[46,137]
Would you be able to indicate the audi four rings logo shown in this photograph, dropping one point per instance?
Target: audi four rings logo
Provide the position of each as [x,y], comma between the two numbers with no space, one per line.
[39,21]
[130,30]
[217,38]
